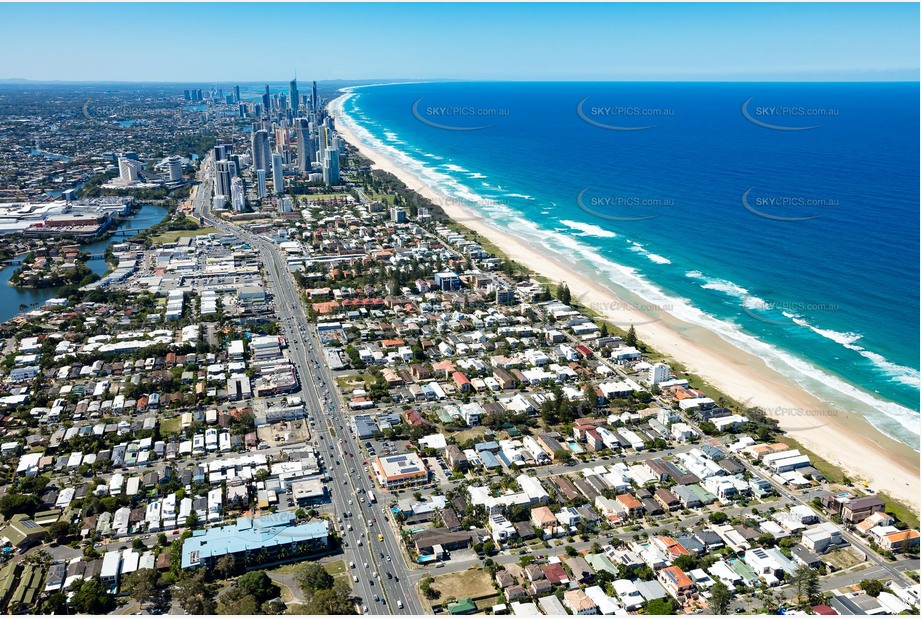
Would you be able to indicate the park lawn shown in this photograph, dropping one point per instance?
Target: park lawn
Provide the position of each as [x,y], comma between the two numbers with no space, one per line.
[324,196]
[335,568]
[174,235]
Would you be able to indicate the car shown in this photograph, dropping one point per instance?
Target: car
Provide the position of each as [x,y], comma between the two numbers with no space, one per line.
[345,482]
[355,578]
[366,565]
[388,558]
[400,604]
[377,598]
[439,565]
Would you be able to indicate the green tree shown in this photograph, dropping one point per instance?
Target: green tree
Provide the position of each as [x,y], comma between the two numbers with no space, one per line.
[661,607]
[14,504]
[225,566]
[563,294]
[720,598]
[718,517]
[630,339]
[59,531]
[237,602]
[258,584]
[871,586]
[335,602]
[805,582]
[194,593]
[141,585]
[426,587]
[685,562]
[313,577]
[56,604]
[92,598]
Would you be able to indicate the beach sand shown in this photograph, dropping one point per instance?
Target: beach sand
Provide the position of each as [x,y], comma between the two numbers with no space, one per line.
[844,439]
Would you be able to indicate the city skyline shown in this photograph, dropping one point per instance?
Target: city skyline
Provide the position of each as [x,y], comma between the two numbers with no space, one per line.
[622,42]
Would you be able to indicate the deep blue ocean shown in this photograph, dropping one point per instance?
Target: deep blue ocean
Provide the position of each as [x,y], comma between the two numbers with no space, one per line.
[783,217]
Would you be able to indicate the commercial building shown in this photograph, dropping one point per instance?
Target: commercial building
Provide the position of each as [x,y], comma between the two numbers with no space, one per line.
[275,535]
[404,470]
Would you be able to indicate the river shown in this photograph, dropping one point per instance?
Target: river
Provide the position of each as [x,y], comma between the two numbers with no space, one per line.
[11,298]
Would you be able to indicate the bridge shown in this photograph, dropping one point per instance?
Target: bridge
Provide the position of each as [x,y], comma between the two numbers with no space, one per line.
[124,231]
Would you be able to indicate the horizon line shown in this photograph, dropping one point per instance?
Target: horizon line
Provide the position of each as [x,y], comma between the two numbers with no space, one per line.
[382,81]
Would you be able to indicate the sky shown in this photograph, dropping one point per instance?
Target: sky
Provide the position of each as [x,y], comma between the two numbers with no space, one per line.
[241,42]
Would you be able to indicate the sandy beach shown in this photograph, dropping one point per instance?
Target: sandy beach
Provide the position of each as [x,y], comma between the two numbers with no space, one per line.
[844,439]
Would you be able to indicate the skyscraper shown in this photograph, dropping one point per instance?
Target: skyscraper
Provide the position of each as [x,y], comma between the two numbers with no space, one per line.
[237,195]
[313,98]
[261,150]
[260,183]
[331,167]
[293,97]
[322,140]
[278,173]
[175,168]
[128,169]
[266,101]
[304,145]
[236,94]
[223,178]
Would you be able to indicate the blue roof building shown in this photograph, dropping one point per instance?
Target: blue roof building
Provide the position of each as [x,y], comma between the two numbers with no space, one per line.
[489,460]
[270,538]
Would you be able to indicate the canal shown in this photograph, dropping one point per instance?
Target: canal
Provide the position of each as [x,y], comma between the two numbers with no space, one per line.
[11,298]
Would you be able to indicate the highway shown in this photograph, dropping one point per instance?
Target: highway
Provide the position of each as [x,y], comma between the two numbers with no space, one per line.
[334,440]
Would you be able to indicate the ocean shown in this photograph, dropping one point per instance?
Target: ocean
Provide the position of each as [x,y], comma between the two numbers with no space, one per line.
[781,216]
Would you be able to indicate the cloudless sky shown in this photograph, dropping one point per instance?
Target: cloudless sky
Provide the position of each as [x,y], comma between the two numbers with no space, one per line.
[216,42]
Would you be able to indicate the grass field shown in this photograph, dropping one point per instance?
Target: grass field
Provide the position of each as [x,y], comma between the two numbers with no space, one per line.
[475,583]
[901,512]
[174,235]
[324,196]
[474,433]
[170,426]
[841,558]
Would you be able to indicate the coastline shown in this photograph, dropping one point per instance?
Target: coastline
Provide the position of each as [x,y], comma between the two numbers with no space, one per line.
[844,439]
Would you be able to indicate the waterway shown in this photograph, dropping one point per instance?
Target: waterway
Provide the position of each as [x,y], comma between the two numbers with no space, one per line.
[11,297]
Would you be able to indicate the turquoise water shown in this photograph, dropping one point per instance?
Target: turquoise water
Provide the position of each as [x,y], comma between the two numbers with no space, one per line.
[791,232]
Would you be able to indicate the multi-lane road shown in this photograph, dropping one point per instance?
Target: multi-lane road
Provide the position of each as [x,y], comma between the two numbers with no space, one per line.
[386,575]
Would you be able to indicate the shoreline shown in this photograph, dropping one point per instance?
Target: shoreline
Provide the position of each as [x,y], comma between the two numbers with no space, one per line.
[844,439]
